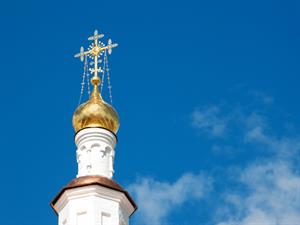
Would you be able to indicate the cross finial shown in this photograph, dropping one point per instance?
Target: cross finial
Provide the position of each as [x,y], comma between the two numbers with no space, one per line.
[95,51]
[96,36]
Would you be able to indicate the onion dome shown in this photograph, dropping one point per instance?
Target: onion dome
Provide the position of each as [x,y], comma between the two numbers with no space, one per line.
[96,112]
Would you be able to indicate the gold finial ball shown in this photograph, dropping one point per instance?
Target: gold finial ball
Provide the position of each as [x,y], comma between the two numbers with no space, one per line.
[95,81]
[96,113]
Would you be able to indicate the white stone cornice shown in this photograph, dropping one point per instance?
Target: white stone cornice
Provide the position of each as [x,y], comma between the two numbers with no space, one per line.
[93,200]
[95,133]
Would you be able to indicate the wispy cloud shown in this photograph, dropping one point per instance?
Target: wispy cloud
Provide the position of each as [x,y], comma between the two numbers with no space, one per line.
[210,121]
[249,128]
[272,196]
[264,190]
[271,185]
[256,131]
[262,97]
[267,189]
[157,199]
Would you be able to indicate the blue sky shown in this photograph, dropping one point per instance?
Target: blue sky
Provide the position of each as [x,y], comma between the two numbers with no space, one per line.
[207,93]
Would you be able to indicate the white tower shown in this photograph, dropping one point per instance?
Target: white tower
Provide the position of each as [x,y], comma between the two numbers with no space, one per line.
[93,198]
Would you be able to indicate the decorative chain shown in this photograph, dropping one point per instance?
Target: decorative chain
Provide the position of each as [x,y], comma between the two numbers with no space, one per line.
[103,73]
[83,79]
[108,78]
[86,78]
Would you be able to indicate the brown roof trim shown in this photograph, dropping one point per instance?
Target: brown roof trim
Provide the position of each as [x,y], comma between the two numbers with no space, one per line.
[93,180]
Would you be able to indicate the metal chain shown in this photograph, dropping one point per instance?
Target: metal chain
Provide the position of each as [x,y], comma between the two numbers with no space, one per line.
[103,73]
[88,77]
[108,77]
[83,80]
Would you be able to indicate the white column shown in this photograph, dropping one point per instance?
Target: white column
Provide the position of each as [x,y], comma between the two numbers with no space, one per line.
[95,152]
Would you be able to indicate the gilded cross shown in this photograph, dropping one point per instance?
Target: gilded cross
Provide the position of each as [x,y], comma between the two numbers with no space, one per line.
[95,51]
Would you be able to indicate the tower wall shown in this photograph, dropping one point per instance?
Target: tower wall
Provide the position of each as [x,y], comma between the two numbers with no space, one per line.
[95,152]
[93,205]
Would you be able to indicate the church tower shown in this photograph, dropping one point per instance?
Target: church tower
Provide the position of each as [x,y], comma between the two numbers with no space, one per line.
[94,198]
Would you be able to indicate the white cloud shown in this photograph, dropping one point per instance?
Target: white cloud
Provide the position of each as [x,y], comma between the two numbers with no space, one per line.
[209,120]
[251,128]
[267,190]
[255,132]
[273,196]
[156,199]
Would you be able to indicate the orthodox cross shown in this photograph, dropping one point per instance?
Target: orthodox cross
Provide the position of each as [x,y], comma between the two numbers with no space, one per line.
[95,50]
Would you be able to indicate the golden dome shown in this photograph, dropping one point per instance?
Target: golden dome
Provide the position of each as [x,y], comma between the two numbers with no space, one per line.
[96,113]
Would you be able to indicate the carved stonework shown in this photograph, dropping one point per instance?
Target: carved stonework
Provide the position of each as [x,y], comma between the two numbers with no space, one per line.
[95,152]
